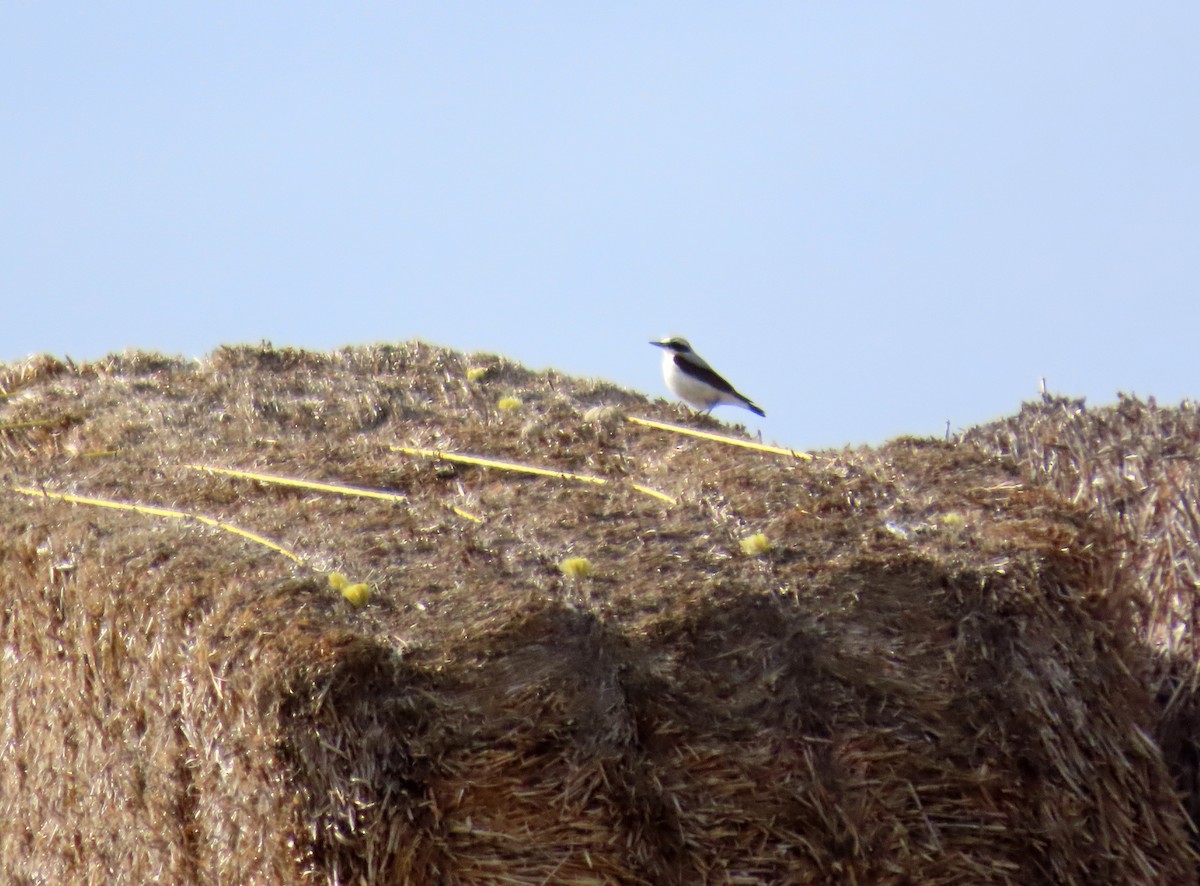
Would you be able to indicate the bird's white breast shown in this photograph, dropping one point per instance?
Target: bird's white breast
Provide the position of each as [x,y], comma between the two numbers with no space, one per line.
[694,392]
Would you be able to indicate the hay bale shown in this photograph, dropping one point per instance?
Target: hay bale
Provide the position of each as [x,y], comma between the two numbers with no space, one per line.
[1136,467]
[932,675]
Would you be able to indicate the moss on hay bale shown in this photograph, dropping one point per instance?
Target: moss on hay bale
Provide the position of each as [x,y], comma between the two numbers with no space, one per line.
[935,674]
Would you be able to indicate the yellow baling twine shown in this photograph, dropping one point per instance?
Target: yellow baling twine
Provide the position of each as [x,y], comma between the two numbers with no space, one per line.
[526,469]
[334,488]
[719,438]
[153,511]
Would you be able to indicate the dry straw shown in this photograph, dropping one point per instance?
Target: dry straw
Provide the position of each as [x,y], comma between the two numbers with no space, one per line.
[944,672]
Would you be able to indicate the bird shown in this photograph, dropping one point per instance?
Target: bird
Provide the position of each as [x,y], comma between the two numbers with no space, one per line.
[692,380]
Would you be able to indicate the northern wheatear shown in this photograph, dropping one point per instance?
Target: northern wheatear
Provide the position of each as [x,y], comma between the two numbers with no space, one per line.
[694,381]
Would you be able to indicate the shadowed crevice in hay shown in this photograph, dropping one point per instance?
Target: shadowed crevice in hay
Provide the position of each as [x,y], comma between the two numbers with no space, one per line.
[560,720]
[1178,730]
[363,738]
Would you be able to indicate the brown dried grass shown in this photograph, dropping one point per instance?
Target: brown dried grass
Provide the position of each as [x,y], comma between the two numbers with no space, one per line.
[936,675]
[1135,466]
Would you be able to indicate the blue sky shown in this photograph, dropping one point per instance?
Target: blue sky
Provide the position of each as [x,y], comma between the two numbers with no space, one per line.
[874,218]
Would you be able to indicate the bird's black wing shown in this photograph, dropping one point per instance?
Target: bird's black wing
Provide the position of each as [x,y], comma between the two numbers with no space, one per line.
[705,375]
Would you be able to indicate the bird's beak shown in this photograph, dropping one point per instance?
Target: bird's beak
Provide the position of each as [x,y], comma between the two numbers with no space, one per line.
[659,344]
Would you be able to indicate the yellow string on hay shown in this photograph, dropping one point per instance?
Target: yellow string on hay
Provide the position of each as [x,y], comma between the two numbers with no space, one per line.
[154,511]
[276,480]
[719,438]
[526,469]
[335,488]
[32,423]
[654,493]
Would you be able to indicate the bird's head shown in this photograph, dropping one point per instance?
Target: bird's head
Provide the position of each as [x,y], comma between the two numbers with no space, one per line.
[676,343]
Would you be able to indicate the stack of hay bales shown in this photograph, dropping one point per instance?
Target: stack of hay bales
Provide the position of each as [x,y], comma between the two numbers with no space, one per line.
[931,670]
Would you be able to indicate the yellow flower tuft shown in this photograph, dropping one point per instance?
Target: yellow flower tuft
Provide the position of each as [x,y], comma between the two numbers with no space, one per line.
[507,404]
[475,373]
[953,521]
[576,567]
[357,594]
[337,581]
[756,545]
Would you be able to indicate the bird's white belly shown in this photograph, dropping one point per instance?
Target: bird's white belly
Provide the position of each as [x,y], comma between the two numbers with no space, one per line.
[695,393]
